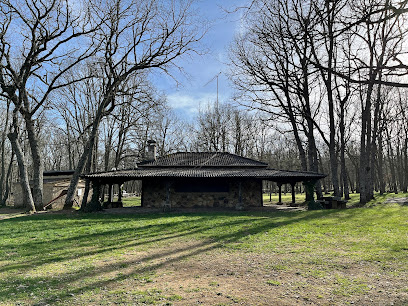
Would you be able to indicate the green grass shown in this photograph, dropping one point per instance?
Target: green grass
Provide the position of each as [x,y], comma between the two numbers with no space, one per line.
[273,283]
[77,258]
[301,197]
[131,201]
[286,199]
[354,198]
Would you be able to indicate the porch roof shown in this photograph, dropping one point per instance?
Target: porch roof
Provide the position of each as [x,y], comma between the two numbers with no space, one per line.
[284,176]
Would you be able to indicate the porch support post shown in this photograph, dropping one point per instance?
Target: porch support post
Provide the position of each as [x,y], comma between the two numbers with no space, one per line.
[293,193]
[120,193]
[102,198]
[110,195]
[280,193]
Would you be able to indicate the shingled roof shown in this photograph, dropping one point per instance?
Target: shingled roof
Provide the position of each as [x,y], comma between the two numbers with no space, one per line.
[203,160]
[264,174]
[205,165]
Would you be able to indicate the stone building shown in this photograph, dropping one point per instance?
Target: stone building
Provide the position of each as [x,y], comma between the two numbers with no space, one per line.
[55,185]
[201,179]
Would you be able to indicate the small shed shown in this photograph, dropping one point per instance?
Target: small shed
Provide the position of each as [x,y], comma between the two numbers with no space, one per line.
[202,179]
[55,186]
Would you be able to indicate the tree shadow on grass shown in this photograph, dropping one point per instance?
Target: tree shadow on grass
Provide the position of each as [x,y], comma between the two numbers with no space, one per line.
[191,224]
[95,278]
[210,230]
[102,242]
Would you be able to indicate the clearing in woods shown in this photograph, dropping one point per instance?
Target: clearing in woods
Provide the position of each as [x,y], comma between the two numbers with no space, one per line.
[325,257]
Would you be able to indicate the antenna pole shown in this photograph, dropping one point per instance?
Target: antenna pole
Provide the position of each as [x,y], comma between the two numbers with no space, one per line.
[216,76]
[217,90]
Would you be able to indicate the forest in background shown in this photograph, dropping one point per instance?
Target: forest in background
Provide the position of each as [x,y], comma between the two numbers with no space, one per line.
[320,86]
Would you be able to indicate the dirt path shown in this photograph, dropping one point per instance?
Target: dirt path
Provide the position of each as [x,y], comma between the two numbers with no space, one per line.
[7,213]
[203,273]
[402,201]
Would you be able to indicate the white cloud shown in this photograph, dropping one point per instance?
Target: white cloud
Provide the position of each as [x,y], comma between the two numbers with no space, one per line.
[190,104]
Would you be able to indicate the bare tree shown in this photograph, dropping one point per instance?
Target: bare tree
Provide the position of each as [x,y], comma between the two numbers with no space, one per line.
[135,36]
[139,105]
[380,44]
[312,65]
[272,62]
[213,128]
[39,42]
[24,179]
[324,47]
[263,65]
[170,132]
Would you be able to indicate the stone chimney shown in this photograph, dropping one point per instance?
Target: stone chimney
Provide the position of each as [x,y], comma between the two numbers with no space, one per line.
[151,150]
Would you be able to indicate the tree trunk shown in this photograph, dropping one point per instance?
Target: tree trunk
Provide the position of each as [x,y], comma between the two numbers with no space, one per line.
[343,169]
[299,143]
[69,148]
[24,180]
[291,115]
[328,83]
[38,164]
[69,200]
[3,179]
[323,180]
[87,182]
[119,147]
[393,179]
[313,162]
[8,180]
[307,113]
[405,165]
[380,158]
[94,204]
[400,165]
[108,149]
[365,148]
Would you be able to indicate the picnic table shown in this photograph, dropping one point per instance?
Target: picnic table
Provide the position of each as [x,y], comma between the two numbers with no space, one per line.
[333,203]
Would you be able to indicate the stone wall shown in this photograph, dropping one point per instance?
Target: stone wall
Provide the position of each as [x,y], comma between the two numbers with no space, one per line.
[155,194]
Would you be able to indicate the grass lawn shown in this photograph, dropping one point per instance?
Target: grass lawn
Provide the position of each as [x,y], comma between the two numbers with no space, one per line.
[357,256]
[354,198]
[131,201]
[286,199]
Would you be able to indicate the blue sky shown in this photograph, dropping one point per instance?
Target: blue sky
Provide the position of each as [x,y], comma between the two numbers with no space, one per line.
[193,92]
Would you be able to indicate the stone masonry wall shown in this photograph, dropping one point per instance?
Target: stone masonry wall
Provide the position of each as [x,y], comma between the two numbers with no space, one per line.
[155,195]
